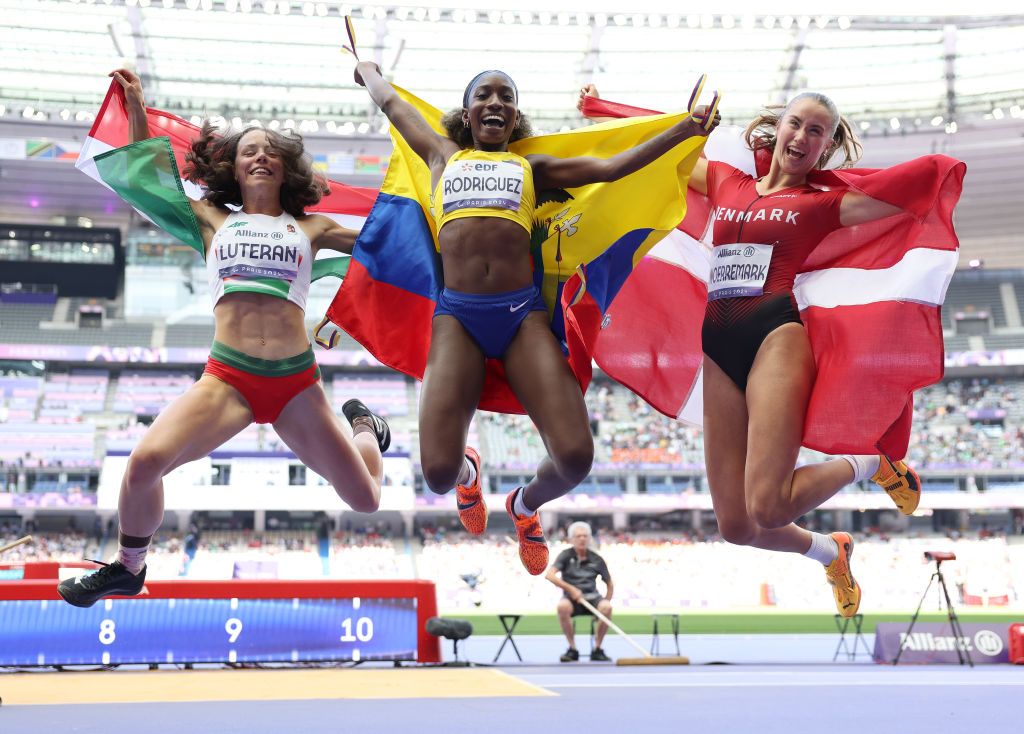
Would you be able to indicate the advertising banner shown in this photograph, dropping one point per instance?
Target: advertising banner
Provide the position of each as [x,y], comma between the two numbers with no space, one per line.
[934,642]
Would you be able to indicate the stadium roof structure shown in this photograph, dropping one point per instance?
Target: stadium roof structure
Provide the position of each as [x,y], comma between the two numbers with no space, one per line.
[901,74]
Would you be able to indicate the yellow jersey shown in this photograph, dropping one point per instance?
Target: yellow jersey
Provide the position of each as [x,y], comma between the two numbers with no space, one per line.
[479,183]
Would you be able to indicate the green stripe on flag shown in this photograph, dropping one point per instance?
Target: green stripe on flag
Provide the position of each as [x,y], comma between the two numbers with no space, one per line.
[330,266]
[145,175]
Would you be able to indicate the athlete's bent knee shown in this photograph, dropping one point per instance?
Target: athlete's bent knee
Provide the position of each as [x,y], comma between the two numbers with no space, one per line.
[574,463]
[146,467]
[365,506]
[736,530]
[441,477]
[769,514]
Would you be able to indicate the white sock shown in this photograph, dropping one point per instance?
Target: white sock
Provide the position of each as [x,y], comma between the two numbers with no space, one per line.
[864,467]
[519,508]
[823,549]
[134,559]
[468,474]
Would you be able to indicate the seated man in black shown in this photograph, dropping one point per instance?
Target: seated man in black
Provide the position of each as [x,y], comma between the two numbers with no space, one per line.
[579,567]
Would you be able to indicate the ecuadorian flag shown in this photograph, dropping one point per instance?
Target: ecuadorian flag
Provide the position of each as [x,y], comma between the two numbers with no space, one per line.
[585,242]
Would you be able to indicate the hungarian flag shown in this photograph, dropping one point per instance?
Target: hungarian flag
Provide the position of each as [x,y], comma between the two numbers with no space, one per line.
[584,243]
[147,175]
[869,295]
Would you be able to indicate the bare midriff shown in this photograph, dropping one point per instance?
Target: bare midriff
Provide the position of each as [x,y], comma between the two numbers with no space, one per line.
[260,326]
[485,255]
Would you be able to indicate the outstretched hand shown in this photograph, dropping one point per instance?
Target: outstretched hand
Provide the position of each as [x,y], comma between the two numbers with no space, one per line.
[131,84]
[588,90]
[361,68]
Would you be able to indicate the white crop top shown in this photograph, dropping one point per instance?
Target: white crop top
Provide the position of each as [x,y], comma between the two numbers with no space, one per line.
[257,253]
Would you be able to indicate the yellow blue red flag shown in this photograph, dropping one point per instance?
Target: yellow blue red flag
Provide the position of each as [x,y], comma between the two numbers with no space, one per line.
[584,244]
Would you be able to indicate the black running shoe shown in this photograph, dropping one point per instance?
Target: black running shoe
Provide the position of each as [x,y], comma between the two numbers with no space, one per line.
[598,654]
[354,408]
[570,656]
[113,579]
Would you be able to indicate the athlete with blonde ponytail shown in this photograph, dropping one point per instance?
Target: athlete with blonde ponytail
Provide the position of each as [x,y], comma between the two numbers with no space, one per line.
[758,366]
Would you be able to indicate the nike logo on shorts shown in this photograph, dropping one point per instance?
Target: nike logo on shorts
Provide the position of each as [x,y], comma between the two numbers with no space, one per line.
[513,309]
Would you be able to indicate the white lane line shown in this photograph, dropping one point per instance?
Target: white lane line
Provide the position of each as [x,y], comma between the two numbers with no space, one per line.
[803,684]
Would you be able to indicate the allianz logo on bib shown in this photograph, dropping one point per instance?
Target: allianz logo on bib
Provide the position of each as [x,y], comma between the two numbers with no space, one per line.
[747,251]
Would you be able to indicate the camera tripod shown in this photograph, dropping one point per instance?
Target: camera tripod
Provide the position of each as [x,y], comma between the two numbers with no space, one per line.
[962,653]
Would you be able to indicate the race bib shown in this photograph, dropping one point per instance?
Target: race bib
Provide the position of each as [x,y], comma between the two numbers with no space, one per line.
[249,253]
[739,270]
[482,185]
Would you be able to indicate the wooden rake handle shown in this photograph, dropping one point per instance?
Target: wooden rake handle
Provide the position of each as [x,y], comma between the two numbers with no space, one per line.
[618,630]
[15,544]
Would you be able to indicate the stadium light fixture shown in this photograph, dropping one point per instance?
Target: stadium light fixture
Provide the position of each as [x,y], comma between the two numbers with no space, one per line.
[937,120]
